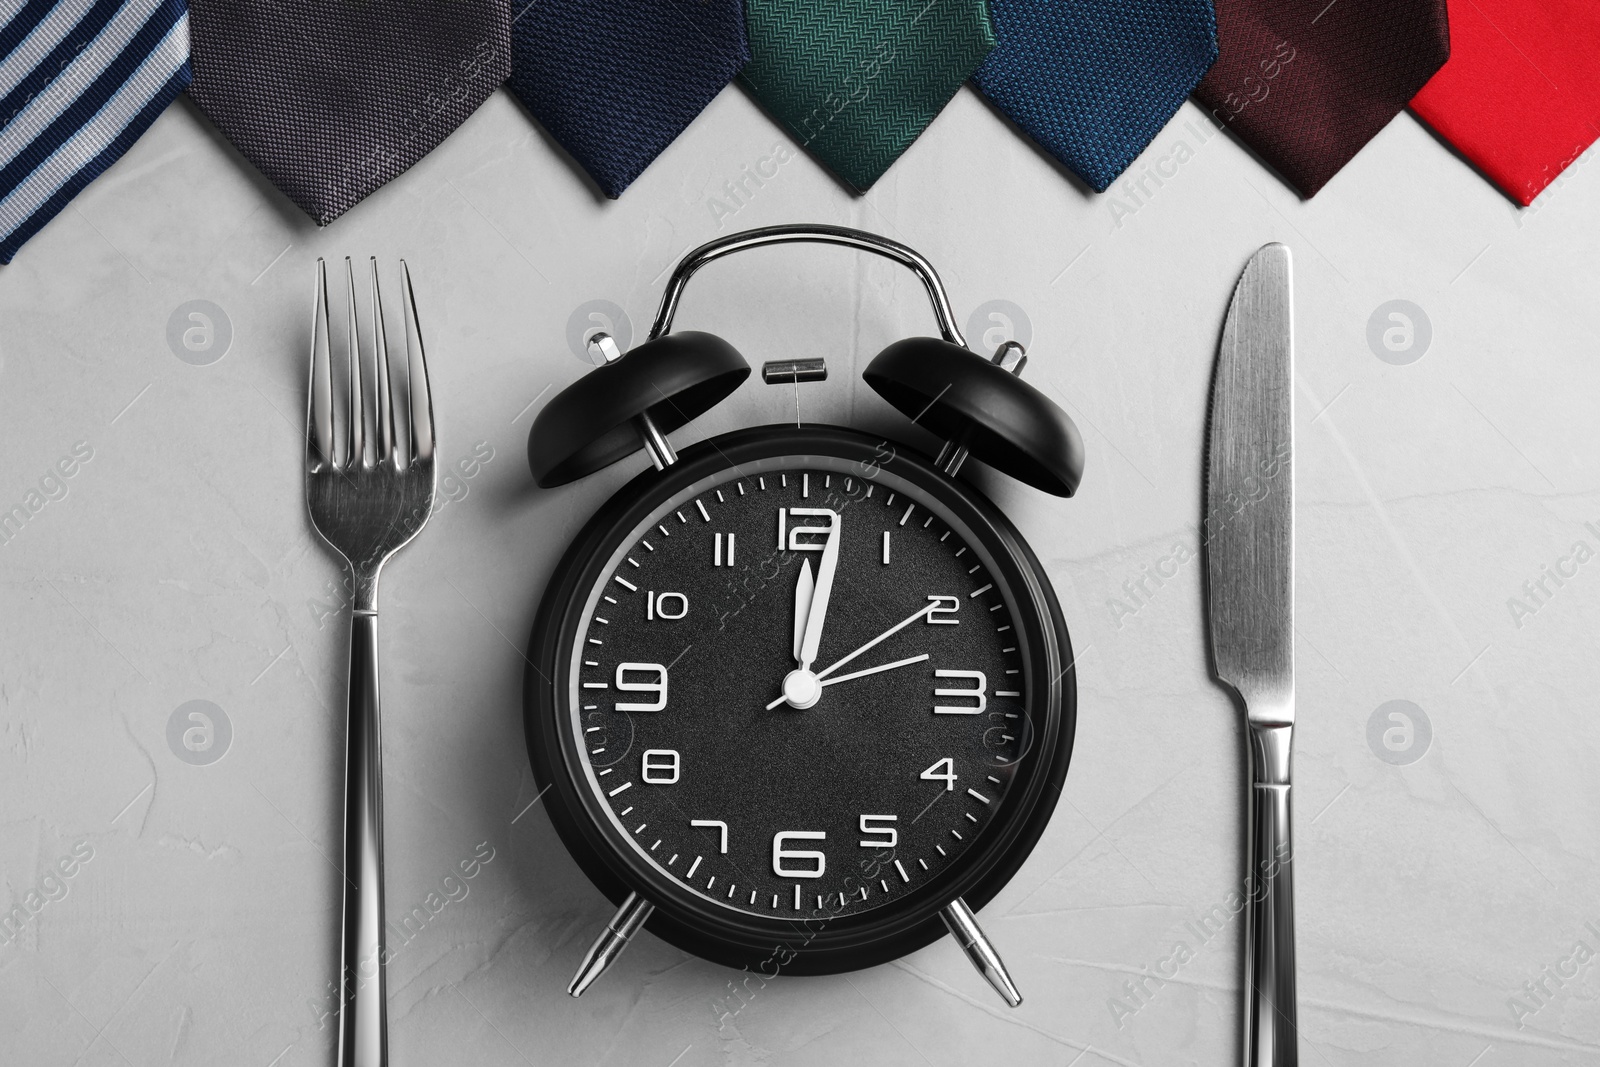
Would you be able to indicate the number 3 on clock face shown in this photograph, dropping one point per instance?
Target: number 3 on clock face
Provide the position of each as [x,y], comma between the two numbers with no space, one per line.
[833,689]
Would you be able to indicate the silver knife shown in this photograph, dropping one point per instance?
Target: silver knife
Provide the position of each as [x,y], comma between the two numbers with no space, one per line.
[1249,547]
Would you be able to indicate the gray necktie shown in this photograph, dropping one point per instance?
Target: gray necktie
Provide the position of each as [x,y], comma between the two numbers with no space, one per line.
[332,99]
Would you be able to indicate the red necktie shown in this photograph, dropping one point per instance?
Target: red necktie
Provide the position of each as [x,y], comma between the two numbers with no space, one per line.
[1520,96]
[1307,83]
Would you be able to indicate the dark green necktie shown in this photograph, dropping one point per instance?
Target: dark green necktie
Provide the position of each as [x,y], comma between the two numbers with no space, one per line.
[856,81]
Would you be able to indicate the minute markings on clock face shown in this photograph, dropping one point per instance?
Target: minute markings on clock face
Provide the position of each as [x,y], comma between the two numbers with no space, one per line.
[887,762]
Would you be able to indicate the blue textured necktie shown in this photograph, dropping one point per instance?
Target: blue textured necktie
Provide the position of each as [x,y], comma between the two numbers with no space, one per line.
[616,81]
[1094,81]
[80,80]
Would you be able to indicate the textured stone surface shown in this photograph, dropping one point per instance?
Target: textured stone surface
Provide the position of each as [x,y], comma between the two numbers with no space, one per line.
[180,566]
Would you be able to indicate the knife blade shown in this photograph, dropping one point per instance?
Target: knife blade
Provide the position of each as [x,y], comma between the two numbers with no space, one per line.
[1250,490]
[1249,548]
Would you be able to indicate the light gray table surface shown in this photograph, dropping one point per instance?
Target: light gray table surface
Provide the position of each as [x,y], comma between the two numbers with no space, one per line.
[1448,879]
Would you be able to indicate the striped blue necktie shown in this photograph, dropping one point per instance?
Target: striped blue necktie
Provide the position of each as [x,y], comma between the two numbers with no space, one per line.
[80,80]
[1094,81]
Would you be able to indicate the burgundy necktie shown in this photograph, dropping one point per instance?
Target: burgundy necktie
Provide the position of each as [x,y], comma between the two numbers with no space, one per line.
[1307,83]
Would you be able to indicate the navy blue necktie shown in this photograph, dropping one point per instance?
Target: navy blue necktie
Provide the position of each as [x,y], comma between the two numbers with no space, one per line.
[1094,81]
[616,81]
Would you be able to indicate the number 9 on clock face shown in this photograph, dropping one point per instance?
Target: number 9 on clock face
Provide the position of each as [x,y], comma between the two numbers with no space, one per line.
[800,696]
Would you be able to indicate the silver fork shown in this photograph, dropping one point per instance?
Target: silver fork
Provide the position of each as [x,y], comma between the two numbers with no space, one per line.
[368,496]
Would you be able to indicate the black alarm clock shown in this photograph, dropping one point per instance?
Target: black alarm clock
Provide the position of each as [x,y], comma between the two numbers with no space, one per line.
[801,698]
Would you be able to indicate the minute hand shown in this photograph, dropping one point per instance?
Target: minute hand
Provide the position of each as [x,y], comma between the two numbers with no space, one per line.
[890,632]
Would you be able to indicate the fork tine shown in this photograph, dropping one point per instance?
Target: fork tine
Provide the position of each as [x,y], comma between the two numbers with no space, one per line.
[380,344]
[319,409]
[355,422]
[422,439]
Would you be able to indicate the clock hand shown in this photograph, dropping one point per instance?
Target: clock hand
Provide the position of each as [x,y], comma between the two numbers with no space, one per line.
[818,613]
[890,632]
[803,589]
[879,669]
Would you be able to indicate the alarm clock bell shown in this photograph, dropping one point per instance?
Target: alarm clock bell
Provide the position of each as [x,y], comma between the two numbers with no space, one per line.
[980,406]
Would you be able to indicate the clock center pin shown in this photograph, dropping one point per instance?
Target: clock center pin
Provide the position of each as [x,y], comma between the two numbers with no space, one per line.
[802,689]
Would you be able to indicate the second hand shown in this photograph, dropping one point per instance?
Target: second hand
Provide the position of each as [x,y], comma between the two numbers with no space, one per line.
[879,669]
[890,632]
[822,676]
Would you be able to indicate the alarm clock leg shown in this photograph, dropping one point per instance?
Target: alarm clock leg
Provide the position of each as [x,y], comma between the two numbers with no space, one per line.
[609,945]
[964,928]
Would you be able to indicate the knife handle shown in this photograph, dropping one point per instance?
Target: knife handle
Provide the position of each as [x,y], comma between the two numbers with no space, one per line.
[1271,1036]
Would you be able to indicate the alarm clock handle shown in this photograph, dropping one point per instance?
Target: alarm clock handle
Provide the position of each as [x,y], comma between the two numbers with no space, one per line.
[832,235]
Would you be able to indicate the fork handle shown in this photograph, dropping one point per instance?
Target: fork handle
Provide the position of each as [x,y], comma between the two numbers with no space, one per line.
[363,1012]
[1271,1036]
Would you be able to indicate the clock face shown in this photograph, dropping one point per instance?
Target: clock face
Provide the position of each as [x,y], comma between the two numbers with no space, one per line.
[799,687]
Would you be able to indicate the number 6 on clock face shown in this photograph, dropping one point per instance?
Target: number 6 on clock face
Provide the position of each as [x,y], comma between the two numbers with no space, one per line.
[782,855]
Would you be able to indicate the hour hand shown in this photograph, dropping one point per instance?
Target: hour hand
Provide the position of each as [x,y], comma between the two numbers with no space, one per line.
[802,606]
[817,611]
